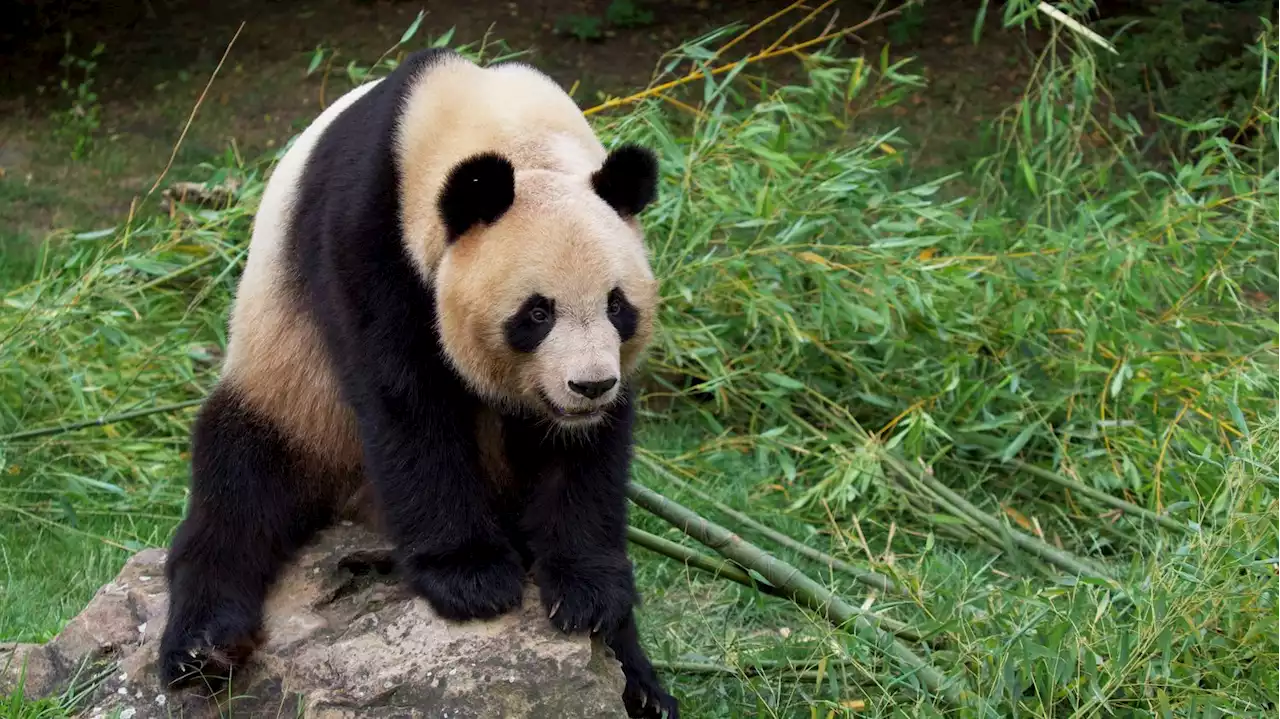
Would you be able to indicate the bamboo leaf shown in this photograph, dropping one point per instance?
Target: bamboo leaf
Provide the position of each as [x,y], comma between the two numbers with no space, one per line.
[413,27]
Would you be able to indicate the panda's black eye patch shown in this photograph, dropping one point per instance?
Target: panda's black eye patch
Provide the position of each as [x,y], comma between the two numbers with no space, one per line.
[622,314]
[529,325]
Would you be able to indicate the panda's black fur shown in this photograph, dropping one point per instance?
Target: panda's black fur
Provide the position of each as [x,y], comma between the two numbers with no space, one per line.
[463,544]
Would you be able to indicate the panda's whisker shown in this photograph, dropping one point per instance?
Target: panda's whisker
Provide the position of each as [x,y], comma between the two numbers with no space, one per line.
[550,428]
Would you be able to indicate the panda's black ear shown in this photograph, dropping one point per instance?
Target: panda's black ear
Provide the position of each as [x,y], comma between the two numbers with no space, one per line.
[628,179]
[478,189]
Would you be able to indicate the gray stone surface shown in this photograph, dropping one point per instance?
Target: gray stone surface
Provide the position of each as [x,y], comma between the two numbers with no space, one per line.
[344,639]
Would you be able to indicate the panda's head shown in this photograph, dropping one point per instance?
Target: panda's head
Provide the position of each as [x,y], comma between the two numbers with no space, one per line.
[545,294]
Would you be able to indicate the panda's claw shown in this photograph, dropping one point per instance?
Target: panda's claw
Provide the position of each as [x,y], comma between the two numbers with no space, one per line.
[644,696]
[580,601]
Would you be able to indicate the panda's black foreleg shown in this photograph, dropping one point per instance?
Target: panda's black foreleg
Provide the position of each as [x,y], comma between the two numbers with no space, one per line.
[417,425]
[422,458]
[643,695]
[245,520]
[576,525]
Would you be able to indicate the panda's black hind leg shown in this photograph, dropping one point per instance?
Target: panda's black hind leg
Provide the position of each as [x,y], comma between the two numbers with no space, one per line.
[246,518]
[643,695]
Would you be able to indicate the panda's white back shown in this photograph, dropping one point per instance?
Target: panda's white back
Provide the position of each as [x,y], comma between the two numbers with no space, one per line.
[275,356]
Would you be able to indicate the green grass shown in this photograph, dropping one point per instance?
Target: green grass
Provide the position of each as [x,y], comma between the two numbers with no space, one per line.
[58,706]
[828,332]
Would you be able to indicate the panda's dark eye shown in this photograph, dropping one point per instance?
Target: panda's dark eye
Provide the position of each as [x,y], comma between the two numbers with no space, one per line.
[622,314]
[529,325]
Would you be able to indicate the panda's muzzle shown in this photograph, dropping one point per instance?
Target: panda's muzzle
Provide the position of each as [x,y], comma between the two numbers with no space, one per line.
[577,369]
[576,414]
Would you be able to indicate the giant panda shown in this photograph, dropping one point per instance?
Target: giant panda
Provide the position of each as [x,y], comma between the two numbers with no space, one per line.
[446,296]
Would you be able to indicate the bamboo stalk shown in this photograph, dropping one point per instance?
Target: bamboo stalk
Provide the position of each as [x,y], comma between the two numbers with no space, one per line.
[1043,549]
[805,675]
[696,559]
[757,57]
[871,579]
[809,671]
[99,422]
[177,273]
[973,526]
[875,580]
[789,580]
[1099,495]
[1061,480]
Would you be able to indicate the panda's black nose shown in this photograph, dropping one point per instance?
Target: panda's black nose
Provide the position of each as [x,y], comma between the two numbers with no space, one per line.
[592,390]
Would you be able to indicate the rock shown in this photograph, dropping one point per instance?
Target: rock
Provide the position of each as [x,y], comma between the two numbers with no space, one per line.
[344,639]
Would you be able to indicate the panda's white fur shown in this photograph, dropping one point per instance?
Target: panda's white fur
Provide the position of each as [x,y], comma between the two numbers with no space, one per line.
[445,274]
[275,355]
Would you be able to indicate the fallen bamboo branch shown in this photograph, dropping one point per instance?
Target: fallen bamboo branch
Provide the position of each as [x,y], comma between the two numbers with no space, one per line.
[1099,495]
[807,671]
[973,526]
[696,559]
[101,421]
[993,444]
[874,629]
[871,579]
[806,675]
[1038,547]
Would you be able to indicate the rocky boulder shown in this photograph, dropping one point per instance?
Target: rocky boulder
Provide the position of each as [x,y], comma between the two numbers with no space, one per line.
[344,639]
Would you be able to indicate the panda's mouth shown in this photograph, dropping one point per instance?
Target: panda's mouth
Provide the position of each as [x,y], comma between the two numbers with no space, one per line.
[570,415]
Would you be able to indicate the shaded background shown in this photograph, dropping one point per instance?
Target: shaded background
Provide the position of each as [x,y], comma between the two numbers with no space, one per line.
[157,55]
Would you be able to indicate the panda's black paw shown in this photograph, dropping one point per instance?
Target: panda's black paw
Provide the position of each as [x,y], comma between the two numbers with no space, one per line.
[645,699]
[205,655]
[462,591]
[587,599]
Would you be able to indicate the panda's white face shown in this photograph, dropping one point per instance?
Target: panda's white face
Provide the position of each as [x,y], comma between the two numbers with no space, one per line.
[550,307]
[573,340]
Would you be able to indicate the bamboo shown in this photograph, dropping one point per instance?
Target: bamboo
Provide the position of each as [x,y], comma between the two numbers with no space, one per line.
[800,588]
[1044,550]
[696,559]
[757,57]
[1099,495]
[872,579]
[99,422]
[807,671]
[1165,521]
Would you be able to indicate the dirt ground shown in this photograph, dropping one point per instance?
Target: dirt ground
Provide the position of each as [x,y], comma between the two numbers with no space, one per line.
[158,55]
